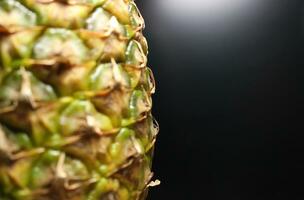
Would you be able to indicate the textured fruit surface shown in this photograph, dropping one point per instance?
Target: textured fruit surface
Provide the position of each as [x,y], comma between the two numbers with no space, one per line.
[75,101]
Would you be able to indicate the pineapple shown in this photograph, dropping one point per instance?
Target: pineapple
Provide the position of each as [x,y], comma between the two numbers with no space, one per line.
[75,101]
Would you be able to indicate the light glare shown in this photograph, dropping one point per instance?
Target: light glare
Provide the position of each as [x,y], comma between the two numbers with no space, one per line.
[198,10]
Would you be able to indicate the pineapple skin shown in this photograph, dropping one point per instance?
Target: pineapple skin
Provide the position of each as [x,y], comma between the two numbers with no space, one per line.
[75,101]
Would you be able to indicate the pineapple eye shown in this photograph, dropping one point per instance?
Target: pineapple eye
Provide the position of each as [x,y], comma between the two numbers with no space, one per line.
[60,44]
[12,142]
[15,83]
[82,116]
[99,20]
[17,47]
[139,104]
[66,16]
[135,55]
[136,17]
[102,77]
[12,13]
[104,23]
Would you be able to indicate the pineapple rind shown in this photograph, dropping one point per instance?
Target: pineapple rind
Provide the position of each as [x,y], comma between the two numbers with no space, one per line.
[75,101]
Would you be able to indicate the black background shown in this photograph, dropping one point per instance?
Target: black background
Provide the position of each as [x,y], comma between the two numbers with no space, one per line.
[227,105]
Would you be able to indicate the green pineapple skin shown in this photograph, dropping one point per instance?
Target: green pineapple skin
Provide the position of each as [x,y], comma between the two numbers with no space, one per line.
[75,101]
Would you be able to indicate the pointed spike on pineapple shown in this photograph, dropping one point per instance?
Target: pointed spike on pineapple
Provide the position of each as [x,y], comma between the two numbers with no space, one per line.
[26,94]
[39,90]
[60,173]
[120,76]
[118,8]
[137,145]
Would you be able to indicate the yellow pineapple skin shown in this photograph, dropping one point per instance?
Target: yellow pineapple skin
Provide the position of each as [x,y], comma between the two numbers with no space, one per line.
[75,101]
